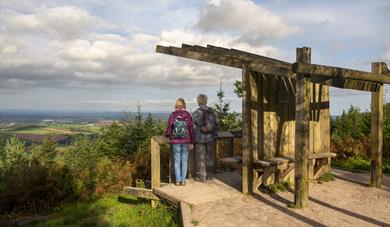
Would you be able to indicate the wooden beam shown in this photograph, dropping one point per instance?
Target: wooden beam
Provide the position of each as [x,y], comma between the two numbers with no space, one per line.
[155,162]
[140,192]
[238,54]
[346,83]
[250,57]
[200,56]
[330,71]
[196,53]
[246,130]
[262,58]
[376,131]
[302,118]
[161,139]
[185,214]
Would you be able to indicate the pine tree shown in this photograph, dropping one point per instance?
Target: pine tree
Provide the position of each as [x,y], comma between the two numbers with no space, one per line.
[228,120]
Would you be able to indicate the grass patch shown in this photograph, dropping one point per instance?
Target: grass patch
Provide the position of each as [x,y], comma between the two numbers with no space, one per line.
[108,211]
[360,164]
[281,186]
[194,222]
[292,206]
[326,177]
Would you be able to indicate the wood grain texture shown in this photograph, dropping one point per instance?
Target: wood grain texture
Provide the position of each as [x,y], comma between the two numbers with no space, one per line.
[246,131]
[140,192]
[376,131]
[330,71]
[155,162]
[302,130]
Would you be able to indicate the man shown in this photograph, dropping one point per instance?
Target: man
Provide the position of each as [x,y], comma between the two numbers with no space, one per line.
[206,124]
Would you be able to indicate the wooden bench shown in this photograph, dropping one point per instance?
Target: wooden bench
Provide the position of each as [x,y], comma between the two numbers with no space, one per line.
[263,169]
[319,163]
[231,162]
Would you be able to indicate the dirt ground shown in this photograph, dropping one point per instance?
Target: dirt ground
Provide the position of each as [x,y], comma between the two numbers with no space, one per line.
[347,201]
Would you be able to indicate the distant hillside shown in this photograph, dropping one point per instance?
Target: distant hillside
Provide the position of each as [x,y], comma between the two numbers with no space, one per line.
[34,116]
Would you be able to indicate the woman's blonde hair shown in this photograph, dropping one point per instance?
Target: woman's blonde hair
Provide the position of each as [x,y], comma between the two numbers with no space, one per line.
[180,103]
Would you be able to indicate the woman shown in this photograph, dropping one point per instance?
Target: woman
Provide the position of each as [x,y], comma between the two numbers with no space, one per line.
[181,132]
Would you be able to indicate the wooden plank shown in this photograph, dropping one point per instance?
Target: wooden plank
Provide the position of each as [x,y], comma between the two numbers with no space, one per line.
[330,71]
[254,115]
[246,130]
[223,135]
[346,83]
[284,174]
[155,163]
[263,58]
[161,139]
[376,132]
[325,120]
[301,194]
[170,198]
[266,118]
[250,57]
[140,192]
[261,163]
[322,155]
[260,117]
[241,55]
[185,214]
[223,60]
[278,160]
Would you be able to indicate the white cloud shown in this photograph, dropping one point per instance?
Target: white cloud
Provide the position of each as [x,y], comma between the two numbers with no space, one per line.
[387,56]
[251,22]
[63,22]
[50,47]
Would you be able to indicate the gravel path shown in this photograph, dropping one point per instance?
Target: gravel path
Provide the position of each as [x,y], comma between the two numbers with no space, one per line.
[347,201]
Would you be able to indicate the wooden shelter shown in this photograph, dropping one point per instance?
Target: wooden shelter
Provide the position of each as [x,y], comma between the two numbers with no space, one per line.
[285,110]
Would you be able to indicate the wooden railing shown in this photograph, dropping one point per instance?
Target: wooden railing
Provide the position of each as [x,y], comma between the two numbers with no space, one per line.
[158,141]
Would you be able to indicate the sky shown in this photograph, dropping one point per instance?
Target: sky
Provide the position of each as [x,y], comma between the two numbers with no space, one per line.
[96,55]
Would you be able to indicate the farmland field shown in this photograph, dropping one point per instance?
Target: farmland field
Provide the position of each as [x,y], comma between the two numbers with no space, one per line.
[57,132]
[53,129]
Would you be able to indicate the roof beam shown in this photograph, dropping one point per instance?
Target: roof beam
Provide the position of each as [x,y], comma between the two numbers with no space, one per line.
[249,56]
[336,72]
[200,54]
[346,83]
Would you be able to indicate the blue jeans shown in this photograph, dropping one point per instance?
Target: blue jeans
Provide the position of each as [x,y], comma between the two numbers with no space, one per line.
[180,156]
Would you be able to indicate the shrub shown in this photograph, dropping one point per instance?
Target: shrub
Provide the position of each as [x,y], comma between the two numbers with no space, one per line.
[347,147]
[40,179]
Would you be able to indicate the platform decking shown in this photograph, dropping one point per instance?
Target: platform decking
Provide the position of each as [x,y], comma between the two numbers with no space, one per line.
[223,185]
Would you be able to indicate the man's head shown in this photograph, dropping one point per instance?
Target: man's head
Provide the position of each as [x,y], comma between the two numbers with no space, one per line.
[202,99]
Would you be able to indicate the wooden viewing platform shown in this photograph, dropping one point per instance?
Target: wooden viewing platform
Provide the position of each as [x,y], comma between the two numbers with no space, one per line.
[223,185]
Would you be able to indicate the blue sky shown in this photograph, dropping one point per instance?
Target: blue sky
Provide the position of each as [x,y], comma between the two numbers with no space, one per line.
[99,55]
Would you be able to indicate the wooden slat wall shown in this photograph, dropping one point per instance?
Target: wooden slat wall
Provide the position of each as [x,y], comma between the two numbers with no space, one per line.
[275,122]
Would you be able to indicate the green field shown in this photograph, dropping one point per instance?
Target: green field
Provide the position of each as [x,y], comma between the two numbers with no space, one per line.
[68,129]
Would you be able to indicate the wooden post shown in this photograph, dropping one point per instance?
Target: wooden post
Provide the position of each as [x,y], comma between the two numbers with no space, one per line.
[302,118]
[155,163]
[246,132]
[376,131]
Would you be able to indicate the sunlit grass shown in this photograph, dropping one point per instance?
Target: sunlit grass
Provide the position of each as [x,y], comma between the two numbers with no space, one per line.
[360,164]
[108,211]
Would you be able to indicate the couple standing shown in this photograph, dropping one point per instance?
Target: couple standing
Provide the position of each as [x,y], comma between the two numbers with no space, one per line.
[186,131]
